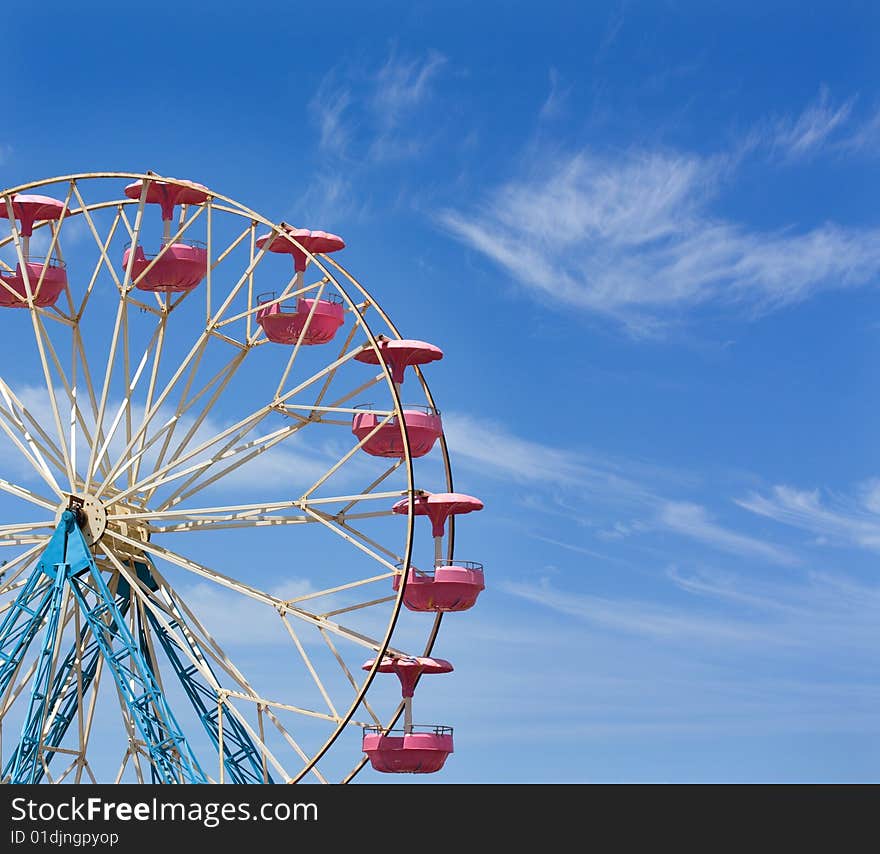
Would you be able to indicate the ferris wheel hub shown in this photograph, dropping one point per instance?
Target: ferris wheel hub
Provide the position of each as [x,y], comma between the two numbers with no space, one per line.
[91,516]
[95,516]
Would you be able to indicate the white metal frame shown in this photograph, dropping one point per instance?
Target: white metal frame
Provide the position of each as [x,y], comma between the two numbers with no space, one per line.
[147,474]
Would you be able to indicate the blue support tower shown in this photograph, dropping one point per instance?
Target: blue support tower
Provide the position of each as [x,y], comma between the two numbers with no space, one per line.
[27,756]
[64,695]
[68,564]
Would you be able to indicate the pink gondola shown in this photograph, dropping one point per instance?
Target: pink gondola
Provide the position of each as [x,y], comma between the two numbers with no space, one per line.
[422,751]
[179,265]
[423,426]
[416,749]
[45,293]
[453,585]
[285,327]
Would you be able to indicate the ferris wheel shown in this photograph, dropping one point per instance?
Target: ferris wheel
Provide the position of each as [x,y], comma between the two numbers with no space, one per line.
[211,541]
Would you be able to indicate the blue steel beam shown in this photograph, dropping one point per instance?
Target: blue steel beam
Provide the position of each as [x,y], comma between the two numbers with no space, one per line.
[241,757]
[68,555]
[22,622]
[26,759]
[65,693]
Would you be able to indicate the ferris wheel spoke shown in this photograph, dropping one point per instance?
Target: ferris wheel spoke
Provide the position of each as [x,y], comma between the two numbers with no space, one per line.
[351,539]
[309,666]
[221,379]
[21,527]
[70,391]
[195,352]
[243,453]
[39,448]
[213,524]
[38,463]
[22,254]
[25,533]
[242,427]
[103,261]
[233,512]
[348,675]
[131,383]
[330,591]
[79,358]
[253,515]
[248,590]
[121,310]
[175,608]
[13,569]
[150,391]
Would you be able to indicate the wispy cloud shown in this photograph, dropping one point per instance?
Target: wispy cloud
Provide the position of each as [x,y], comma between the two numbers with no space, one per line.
[501,454]
[865,137]
[554,104]
[692,520]
[633,237]
[327,109]
[364,114]
[813,128]
[403,84]
[636,617]
[586,488]
[727,607]
[840,520]
[819,599]
[611,32]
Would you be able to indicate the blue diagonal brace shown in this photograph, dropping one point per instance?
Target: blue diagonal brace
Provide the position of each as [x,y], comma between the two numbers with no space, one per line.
[23,621]
[68,554]
[241,757]
[26,760]
[66,691]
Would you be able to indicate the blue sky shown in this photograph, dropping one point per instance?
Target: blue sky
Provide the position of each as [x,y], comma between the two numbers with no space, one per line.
[646,237]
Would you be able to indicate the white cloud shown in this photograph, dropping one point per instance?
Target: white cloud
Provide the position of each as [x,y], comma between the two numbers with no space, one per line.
[821,599]
[632,237]
[813,128]
[865,138]
[501,454]
[847,521]
[401,85]
[601,485]
[636,617]
[729,608]
[554,104]
[369,109]
[692,520]
[327,109]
